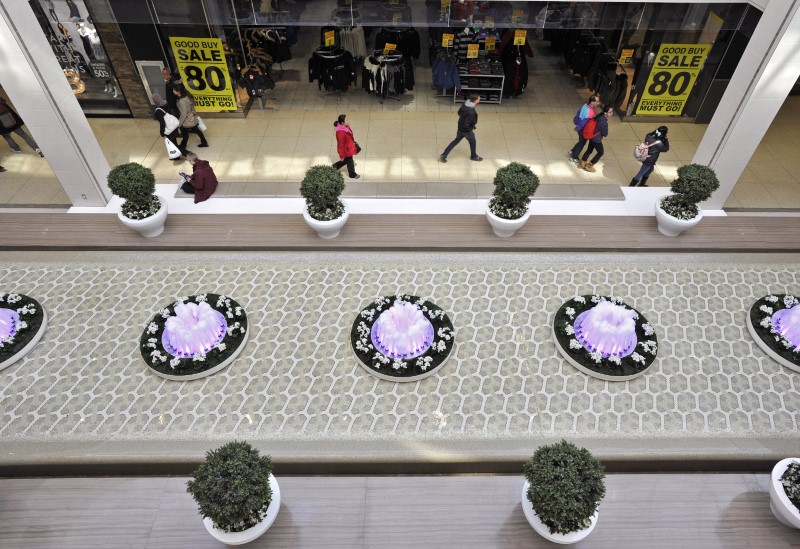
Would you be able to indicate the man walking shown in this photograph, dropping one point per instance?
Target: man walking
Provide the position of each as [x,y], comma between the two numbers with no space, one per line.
[467,121]
[586,113]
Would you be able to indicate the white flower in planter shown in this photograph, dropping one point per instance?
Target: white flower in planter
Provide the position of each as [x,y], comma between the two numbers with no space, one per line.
[199,357]
[648,330]
[766,309]
[399,365]
[568,329]
[575,344]
[636,357]
[772,298]
[766,322]
[597,357]
[152,328]
[174,362]
[570,312]
[580,299]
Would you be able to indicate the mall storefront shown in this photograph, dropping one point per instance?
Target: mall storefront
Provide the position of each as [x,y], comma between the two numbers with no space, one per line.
[657,61]
[647,59]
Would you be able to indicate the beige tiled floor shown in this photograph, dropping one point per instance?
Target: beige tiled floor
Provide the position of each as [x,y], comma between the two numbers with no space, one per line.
[269,151]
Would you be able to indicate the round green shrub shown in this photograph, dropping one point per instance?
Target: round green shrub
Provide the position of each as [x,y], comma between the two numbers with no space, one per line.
[566,486]
[137,185]
[514,185]
[695,183]
[231,487]
[321,187]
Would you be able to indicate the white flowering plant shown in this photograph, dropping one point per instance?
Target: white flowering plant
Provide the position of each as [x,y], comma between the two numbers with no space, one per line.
[761,318]
[432,358]
[159,359]
[31,316]
[641,357]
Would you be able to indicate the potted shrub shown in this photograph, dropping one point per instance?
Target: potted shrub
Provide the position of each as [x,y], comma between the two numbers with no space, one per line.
[784,492]
[236,493]
[507,211]
[142,210]
[680,211]
[563,487]
[324,211]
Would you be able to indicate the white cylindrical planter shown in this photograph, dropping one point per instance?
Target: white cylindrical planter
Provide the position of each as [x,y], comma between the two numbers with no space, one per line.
[149,226]
[327,229]
[505,227]
[542,529]
[672,226]
[783,509]
[246,536]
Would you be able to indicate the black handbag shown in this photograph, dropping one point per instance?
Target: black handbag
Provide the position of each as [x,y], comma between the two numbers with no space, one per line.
[358,147]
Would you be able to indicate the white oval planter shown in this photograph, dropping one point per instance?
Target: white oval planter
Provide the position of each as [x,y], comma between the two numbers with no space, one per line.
[589,372]
[505,227]
[542,529]
[764,347]
[149,226]
[211,371]
[672,226]
[246,536]
[31,344]
[327,229]
[783,509]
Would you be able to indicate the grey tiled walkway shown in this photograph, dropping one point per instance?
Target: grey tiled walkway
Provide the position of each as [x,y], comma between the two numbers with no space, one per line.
[297,379]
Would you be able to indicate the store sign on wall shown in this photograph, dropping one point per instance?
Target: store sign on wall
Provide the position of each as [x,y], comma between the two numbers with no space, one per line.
[672,78]
[204,72]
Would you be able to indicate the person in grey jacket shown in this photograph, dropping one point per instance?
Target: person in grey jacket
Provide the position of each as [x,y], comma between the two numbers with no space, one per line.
[467,122]
[658,143]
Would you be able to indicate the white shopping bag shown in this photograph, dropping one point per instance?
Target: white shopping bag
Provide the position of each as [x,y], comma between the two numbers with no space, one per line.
[201,124]
[173,151]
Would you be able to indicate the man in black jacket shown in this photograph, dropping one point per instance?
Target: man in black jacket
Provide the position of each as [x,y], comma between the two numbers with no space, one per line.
[467,121]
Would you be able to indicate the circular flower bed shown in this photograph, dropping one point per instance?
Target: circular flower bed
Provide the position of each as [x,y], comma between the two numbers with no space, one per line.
[22,323]
[402,338]
[194,337]
[774,331]
[635,343]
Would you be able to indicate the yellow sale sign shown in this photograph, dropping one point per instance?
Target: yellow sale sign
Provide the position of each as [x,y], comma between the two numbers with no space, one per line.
[201,63]
[674,73]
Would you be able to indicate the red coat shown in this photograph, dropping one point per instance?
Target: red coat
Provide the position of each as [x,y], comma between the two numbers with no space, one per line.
[345,143]
[203,180]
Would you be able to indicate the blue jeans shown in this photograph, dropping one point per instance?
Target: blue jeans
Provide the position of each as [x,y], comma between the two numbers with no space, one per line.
[469,136]
[644,171]
[20,132]
[578,147]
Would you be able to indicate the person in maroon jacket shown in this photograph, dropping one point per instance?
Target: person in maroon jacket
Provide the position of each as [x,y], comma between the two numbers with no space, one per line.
[346,146]
[202,183]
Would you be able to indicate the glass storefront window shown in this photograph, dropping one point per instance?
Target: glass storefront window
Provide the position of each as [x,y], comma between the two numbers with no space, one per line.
[79,49]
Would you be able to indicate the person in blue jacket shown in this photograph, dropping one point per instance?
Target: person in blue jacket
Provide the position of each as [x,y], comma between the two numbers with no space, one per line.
[596,139]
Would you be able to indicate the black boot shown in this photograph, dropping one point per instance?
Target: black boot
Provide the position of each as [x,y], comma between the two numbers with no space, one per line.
[643,182]
[632,183]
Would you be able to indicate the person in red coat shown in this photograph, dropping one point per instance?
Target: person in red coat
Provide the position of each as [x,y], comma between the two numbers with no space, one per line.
[345,146]
[202,183]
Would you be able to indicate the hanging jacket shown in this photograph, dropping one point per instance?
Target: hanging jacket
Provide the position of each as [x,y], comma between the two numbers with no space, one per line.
[345,142]
[203,180]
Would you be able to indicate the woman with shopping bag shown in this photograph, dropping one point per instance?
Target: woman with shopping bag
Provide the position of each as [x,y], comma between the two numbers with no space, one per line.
[189,121]
[168,129]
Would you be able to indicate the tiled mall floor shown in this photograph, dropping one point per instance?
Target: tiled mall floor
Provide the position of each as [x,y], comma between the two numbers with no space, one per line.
[268,152]
[297,378]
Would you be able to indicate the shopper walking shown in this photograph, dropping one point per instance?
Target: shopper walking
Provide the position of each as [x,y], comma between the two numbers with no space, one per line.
[11,122]
[656,142]
[202,183]
[584,114]
[187,118]
[595,134]
[467,122]
[168,125]
[171,81]
[346,146]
